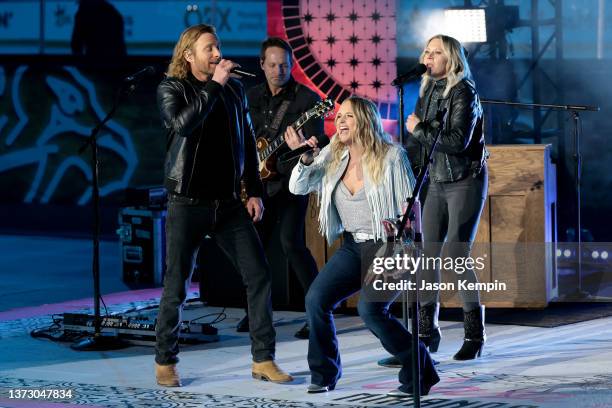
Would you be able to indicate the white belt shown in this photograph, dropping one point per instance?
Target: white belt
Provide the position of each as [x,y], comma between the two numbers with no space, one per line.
[362,236]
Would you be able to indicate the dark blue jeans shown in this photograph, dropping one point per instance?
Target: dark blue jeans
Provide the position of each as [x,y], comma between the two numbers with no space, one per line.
[340,278]
[229,224]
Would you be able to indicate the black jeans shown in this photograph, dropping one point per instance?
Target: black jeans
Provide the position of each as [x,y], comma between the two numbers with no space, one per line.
[451,213]
[229,224]
[287,212]
[340,278]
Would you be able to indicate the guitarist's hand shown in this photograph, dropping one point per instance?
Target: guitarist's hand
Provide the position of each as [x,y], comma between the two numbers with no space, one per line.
[293,138]
[255,208]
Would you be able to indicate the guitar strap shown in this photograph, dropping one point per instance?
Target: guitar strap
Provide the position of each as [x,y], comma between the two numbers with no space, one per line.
[278,118]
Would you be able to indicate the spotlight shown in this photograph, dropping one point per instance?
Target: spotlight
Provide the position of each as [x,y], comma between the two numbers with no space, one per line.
[488,25]
[567,253]
[559,253]
[594,254]
[466,25]
[604,255]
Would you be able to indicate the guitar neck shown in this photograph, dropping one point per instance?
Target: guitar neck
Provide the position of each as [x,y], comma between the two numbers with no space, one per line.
[272,147]
[298,124]
[279,140]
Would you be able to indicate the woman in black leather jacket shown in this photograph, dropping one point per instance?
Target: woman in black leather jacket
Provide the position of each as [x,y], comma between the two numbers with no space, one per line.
[457,182]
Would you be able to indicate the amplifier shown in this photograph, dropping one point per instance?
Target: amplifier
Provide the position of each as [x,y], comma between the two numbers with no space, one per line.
[142,236]
[147,197]
[137,329]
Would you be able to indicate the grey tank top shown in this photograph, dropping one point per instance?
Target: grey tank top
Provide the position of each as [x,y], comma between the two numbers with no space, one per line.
[353,210]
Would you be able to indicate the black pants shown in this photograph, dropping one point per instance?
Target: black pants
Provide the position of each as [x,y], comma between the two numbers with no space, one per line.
[228,223]
[451,212]
[287,212]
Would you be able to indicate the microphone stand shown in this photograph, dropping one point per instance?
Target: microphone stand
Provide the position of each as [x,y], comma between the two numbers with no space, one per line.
[97,341]
[402,132]
[400,95]
[574,110]
[412,307]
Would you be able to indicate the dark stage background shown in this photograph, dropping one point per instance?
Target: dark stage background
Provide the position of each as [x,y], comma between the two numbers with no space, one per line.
[50,100]
[50,104]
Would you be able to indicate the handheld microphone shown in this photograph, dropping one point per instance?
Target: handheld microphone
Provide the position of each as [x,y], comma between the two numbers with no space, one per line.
[322,141]
[290,155]
[138,76]
[414,73]
[242,72]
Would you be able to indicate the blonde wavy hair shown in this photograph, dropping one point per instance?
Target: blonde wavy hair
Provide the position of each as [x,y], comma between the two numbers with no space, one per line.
[457,67]
[179,67]
[369,134]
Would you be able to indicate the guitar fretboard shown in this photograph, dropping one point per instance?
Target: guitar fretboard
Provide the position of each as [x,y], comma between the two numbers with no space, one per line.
[279,140]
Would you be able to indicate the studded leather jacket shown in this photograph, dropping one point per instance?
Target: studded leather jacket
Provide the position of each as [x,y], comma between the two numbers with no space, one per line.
[460,150]
[194,112]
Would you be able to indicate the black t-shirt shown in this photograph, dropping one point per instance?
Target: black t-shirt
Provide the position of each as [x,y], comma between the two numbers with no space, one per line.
[215,159]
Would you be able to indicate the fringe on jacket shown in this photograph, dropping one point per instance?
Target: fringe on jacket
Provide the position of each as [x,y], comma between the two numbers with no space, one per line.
[385,199]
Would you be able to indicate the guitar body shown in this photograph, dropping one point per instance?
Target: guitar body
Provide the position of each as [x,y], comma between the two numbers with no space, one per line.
[267,167]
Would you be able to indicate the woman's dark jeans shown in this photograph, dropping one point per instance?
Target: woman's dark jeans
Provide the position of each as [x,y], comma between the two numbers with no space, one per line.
[340,278]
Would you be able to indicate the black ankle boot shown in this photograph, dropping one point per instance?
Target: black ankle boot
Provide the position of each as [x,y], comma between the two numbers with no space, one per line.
[429,330]
[475,336]
[390,362]
[303,333]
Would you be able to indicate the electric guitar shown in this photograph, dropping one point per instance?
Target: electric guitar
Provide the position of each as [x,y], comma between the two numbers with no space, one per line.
[266,149]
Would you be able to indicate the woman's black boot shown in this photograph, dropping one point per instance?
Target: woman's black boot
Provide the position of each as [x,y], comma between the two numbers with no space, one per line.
[429,329]
[475,336]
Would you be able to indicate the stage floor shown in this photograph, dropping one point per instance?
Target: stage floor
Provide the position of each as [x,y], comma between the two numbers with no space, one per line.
[566,366]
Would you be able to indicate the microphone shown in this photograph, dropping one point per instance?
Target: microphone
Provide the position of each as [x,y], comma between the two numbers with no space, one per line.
[242,72]
[322,141]
[292,154]
[414,73]
[138,76]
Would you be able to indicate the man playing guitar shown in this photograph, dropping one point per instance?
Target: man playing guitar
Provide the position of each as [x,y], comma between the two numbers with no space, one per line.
[275,105]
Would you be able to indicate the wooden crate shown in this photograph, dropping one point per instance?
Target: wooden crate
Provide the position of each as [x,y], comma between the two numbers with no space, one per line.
[518,228]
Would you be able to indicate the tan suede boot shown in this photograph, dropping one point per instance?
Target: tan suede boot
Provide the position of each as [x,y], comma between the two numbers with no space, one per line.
[167,375]
[269,371]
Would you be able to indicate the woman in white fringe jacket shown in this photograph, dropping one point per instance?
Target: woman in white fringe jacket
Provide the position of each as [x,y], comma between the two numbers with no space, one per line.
[362,178]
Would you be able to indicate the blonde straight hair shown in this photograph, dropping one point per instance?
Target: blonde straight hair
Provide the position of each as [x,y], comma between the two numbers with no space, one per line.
[179,67]
[369,134]
[457,67]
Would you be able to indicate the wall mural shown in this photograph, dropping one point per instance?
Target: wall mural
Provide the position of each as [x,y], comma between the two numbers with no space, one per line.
[47,115]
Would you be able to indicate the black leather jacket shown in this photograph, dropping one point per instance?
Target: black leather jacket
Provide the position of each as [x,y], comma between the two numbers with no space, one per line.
[187,113]
[460,151]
